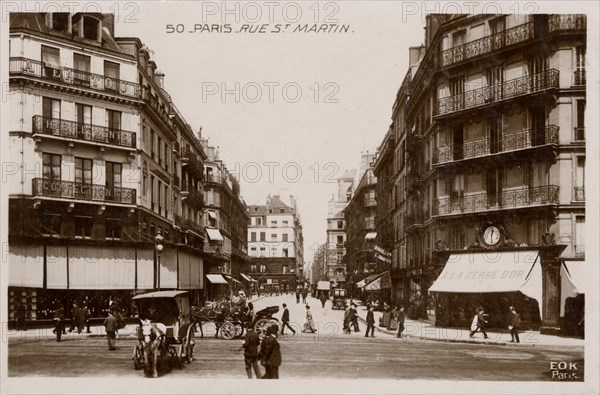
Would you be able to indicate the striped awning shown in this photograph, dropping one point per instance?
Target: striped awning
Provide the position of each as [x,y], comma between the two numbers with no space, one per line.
[216,279]
[247,278]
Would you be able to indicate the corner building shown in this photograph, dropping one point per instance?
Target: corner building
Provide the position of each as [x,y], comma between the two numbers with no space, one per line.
[489,130]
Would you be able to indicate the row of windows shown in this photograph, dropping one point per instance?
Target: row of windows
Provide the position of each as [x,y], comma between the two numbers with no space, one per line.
[274,223]
[52,170]
[263,236]
[82,65]
[51,108]
[263,269]
[274,252]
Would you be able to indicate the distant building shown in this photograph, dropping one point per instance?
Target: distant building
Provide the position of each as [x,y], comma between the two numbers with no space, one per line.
[275,244]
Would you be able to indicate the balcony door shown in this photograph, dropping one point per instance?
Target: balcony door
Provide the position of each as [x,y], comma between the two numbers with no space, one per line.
[495,79]
[495,134]
[458,142]
[82,68]
[51,115]
[537,125]
[113,120]
[112,74]
[494,187]
[84,121]
[50,62]
[113,180]
[497,27]
[83,178]
[536,67]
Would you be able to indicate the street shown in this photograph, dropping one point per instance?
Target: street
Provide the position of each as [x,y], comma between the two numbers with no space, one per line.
[326,354]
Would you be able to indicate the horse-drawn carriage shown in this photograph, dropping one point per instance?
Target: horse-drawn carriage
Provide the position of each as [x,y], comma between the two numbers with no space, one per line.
[166,331]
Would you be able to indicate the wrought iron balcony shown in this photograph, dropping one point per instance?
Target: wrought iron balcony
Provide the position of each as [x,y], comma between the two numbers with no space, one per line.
[76,78]
[514,198]
[504,39]
[192,196]
[188,224]
[190,160]
[579,194]
[82,132]
[510,141]
[495,93]
[82,191]
[579,77]
[567,22]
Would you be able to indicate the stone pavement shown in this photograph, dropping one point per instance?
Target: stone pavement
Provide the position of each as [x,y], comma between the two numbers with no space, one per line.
[424,330]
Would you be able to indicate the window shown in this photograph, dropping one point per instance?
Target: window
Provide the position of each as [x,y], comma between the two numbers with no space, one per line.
[258,221]
[270,211]
[263,251]
[580,119]
[580,65]
[263,268]
[113,228]
[50,62]
[284,237]
[273,224]
[82,66]
[284,222]
[253,251]
[340,256]
[51,167]
[253,268]
[340,240]
[263,236]
[113,122]
[83,178]
[91,28]
[252,236]
[83,227]
[50,110]
[580,179]
[284,269]
[160,146]
[340,224]
[84,121]
[152,146]
[166,156]
[51,224]
[282,210]
[152,184]
[273,252]
[112,75]
[284,252]
[579,235]
[60,21]
[113,174]
[273,237]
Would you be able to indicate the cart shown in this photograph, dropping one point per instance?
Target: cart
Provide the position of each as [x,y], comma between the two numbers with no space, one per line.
[164,320]
[339,299]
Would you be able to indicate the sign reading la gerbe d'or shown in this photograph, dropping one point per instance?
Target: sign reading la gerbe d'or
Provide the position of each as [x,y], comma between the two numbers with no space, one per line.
[383,255]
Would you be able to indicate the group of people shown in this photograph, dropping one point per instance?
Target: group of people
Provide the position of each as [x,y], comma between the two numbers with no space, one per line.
[80,319]
[269,354]
[301,292]
[480,321]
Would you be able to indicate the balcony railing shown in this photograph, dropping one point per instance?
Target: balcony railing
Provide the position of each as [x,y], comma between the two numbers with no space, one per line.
[567,22]
[495,93]
[579,194]
[189,159]
[77,78]
[82,191]
[511,141]
[192,196]
[515,198]
[188,224]
[579,77]
[487,44]
[83,132]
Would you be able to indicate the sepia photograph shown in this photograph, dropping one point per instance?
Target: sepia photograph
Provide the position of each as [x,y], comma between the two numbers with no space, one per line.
[345,196]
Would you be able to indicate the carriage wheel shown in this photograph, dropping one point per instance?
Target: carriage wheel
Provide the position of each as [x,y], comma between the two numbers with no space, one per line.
[138,357]
[189,346]
[262,325]
[228,330]
[239,329]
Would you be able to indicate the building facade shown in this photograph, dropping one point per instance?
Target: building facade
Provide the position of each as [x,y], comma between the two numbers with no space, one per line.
[275,245]
[105,163]
[492,119]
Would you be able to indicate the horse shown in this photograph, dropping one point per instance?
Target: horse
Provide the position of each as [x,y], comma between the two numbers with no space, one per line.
[153,344]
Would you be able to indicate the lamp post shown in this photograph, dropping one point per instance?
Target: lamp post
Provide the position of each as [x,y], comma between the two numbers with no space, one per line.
[158,246]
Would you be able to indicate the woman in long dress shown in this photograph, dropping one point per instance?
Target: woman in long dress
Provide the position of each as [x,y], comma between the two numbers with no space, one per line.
[309,325]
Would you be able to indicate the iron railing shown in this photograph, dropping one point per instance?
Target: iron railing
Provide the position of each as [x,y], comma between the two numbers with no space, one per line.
[514,198]
[82,191]
[564,22]
[504,39]
[73,77]
[192,196]
[189,158]
[498,92]
[83,132]
[192,225]
[579,77]
[511,141]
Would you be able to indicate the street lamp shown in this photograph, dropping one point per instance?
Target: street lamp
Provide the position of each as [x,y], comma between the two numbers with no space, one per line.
[158,246]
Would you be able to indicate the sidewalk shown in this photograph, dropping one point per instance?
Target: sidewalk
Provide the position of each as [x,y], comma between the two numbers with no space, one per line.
[420,329]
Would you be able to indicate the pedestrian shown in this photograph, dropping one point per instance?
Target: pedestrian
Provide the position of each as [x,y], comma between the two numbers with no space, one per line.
[84,316]
[21,314]
[513,325]
[309,325]
[323,299]
[370,322]
[400,316]
[285,320]
[304,294]
[250,314]
[347,320]
[270,353]
[355,318]
[59,320]
[74,317]
[115,308]
[110,323]
[478,323]
[297,296]
[251,343]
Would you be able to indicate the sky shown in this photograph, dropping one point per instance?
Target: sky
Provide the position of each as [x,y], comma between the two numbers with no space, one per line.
[291,110]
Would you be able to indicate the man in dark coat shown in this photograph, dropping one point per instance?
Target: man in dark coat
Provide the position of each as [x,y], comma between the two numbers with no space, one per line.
[400,318]
[285,320]
[323,299]
[251,343]
[59,319]
[74,318]
[110,323]
[347,320]
[370,322]
[21,314]
[513,325]
[84,317]
[270,353]
[355,318]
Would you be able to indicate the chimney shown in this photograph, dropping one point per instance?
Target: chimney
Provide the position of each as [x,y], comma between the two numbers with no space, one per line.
[159,78]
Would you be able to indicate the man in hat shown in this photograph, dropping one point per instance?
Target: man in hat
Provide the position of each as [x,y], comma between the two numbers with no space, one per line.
[270,353]
[370,322]
[251,343]
[513,325]
[59,319]
[110,323]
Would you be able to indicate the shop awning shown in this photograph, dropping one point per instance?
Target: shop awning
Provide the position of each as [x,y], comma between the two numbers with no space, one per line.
[214,234]
[247,278]
[371,236]
[384,281]
[485,272]
[230,278]
[573,281]
[366,280]
[216,279]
